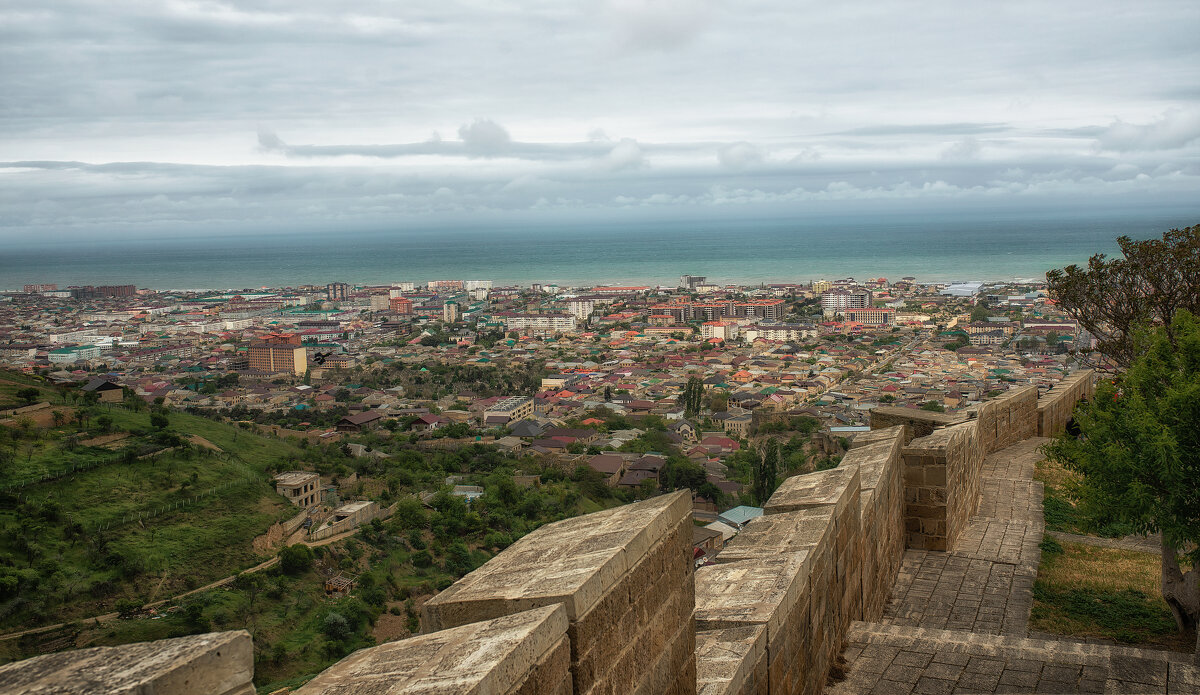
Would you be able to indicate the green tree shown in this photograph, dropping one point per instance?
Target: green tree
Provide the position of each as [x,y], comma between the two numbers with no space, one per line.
[766,470]
[159,420]
[933,407]
[693,396]
[1151,280]
[1138,453]
[979,314]
[29,395]
[295,559]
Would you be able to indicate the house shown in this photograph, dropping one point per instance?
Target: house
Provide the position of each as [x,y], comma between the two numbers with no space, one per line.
[611,466]
[357,422]
[301,488]
[739,425]
[429,421]
[684,429]
[526,429]
[105,390]
[738,517]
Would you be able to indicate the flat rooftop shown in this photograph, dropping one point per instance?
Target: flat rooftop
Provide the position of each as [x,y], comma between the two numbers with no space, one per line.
[290,478]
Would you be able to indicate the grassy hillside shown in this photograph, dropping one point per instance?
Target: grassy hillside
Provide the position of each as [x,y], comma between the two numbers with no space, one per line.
[105,507]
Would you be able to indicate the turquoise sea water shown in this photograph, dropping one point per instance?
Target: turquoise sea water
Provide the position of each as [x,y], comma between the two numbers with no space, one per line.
[942,248]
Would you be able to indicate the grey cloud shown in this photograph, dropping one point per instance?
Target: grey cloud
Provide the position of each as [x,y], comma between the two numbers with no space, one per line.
[659,24]
[739,155]
[967,148]
[1174,129]
[484,138]
[927,129]
[626,154]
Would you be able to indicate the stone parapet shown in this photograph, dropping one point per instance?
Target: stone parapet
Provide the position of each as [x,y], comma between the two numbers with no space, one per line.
[526,653]
[941,485]
[1007,419]
[880,464]
[218,663]
[773,593]
[837,490]
[921,423]
[624,579]
[1054,409]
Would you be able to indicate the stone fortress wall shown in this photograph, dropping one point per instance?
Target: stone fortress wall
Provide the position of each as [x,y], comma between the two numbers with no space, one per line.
[608,603]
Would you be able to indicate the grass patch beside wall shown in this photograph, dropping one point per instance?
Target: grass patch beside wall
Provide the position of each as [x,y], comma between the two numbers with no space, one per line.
[1085,591]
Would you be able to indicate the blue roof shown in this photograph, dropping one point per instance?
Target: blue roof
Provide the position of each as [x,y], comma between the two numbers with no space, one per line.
[740,515]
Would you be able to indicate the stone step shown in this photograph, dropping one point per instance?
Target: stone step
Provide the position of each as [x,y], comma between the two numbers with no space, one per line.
[897,659]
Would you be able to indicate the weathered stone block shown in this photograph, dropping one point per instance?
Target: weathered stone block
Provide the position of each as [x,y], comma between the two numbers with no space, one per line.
[525,653]
[218,663]
[732,661]
[624,578]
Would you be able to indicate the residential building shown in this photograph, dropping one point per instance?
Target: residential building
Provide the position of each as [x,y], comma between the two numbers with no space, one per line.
[722,330]
[301,488]
[513,408]
[337,291]
[838,301]
[538,323]
[401,305]
[872,316]
[279,352]
[781,332]
[74,354]
[450,312]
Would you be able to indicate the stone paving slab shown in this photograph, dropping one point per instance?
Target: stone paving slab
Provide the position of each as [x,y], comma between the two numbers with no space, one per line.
[985,582]
[896,659]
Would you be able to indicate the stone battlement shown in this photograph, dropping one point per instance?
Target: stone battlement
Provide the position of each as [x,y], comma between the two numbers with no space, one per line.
[608,603]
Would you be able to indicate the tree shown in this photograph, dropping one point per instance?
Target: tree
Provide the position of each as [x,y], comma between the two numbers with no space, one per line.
[295,559]
[693,396]
[979,314]
[766,469]
[1138,453]
[29,395]
[933,407]
[159,420]
[1152,280]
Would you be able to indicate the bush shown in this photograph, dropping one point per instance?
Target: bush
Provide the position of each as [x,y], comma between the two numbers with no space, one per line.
[295,559]
[337,627]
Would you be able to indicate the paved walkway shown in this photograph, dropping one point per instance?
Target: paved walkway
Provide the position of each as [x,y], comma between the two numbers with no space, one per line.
[984,583]
[958,621]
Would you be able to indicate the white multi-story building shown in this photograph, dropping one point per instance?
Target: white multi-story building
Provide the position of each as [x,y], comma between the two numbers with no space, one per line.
[724,330]
[581,308]
[539,323]
[469,285]
[781,332]
[838,301]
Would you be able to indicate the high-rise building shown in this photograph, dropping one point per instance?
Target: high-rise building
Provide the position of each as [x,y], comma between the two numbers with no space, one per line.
[279,352]
[838,301]
[450,312]
[691,281]
[337,291]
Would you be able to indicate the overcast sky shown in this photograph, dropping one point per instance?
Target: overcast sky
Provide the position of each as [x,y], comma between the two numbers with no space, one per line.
[181,115]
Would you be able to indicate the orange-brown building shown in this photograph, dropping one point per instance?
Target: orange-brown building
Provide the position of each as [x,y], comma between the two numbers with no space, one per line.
[279,352]
[401,305]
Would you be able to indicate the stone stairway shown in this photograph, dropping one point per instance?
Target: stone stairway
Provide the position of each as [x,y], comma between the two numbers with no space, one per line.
[984,583]
[957,621]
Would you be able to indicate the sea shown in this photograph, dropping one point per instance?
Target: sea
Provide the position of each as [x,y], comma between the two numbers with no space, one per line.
[930,248]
